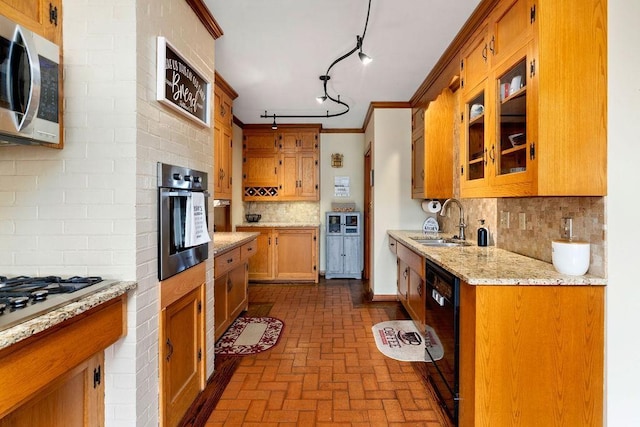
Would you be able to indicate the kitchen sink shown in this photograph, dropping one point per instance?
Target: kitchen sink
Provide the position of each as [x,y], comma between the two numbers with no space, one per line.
[442,242]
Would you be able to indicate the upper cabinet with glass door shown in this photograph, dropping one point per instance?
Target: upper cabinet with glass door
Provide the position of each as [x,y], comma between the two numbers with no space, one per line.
[544,131]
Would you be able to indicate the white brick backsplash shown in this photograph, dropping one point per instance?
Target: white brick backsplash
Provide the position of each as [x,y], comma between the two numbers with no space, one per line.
[91,207]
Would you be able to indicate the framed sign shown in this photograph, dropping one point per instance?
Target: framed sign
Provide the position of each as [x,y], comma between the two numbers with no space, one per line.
[181,86]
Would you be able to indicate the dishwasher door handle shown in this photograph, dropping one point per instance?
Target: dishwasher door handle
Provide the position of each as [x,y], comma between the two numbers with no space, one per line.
[437,297]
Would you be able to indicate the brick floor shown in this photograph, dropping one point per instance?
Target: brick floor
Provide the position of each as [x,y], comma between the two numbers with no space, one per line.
[326,369]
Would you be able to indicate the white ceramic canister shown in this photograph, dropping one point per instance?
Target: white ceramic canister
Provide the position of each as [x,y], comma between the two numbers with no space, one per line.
[570,256]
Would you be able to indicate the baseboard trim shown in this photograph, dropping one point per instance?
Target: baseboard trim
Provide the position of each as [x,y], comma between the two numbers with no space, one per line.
[385,298]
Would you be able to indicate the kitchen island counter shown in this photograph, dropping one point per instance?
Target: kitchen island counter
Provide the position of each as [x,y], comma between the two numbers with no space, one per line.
[490,265]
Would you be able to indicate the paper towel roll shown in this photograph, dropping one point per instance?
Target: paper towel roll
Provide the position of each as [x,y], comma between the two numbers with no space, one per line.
[431,206]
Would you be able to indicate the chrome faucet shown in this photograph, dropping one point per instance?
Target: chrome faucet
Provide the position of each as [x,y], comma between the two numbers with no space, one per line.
[461,225]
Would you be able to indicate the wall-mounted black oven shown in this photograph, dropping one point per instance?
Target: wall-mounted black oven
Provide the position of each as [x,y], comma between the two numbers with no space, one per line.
[176,185]
[442,314]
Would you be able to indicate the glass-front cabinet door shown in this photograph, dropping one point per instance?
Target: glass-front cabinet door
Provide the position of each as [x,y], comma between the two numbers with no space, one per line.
[512,148]
[473,153]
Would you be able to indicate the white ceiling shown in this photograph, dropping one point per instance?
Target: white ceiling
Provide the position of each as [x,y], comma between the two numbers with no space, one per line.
[273,52]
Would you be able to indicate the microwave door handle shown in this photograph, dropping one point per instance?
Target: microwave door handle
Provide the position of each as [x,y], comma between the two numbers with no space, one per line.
[33,97]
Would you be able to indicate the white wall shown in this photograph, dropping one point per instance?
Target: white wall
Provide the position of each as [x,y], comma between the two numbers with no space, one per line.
[623,205]
[350,145]
[91,208]
[393,207]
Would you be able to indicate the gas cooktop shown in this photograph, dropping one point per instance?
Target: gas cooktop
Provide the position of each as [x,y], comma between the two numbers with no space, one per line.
[23,298]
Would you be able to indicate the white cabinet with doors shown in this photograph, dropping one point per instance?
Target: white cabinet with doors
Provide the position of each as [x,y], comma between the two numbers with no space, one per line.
[344,245]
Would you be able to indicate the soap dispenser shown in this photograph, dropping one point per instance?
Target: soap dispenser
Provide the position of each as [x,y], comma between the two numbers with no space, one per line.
[483,234]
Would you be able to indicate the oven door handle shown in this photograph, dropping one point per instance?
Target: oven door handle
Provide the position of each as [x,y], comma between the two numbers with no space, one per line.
[437,297]
[185,193]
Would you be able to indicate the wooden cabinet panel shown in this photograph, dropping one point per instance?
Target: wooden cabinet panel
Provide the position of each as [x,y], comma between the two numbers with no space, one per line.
[281,165]
[284,254]
[223,161]
[42,16]
[237,297]
[220,305]
[474,62]
[510,29]
[531,355]
[57,352]
[260,140]
[296,254]
[230,288]
[417,153]
[411,286]
[543,134]
[260,170]
[181,354]
[438,146]
[261,263]
[75,399]
[181,342]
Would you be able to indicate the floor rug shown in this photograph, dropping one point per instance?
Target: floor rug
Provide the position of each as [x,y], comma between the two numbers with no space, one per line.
[401,340]
[249,335]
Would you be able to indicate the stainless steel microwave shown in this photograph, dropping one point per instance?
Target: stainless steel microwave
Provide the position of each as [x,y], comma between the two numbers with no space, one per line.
[29,86]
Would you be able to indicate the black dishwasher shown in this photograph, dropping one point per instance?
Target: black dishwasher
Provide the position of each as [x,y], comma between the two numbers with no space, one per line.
[442,314]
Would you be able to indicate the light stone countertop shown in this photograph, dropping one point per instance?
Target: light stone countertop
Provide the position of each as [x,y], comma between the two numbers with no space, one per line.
[490,265]
[38,324]
[278,224]
[224,241]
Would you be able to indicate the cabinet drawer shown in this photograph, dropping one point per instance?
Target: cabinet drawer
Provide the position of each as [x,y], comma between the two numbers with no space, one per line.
[393,245]
[412,259]
[248,249]
[226,261]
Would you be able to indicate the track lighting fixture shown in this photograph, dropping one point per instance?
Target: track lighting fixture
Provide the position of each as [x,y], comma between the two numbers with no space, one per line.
[364,58]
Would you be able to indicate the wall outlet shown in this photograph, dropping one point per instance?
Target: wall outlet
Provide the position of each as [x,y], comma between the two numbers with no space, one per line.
[522,220]
[504,219]
[567,228]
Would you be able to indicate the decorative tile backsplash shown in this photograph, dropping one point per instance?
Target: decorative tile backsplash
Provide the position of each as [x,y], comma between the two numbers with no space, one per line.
[304,212]
[543,223]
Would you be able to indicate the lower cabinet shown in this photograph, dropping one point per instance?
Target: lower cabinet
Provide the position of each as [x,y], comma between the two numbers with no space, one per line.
[181,343]
[76,399]
[56,377]
[284,254]
[411,283]
[531,355]
[231,285]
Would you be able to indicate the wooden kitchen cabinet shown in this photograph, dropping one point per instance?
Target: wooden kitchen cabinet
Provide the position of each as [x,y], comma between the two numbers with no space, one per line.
[298,176]
[223,160]
[231,284]
[531,355]
[411,284]
[438,146]
[181,343]
[543,134]
[69,364]
[281,165]
[75,399]
[223,138]
[42,16]
[284,254]
[417,153]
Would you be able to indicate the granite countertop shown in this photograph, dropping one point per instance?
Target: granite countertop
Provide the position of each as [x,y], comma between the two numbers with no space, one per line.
[490,265]
[38,324]
[223,241]
[278,224]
